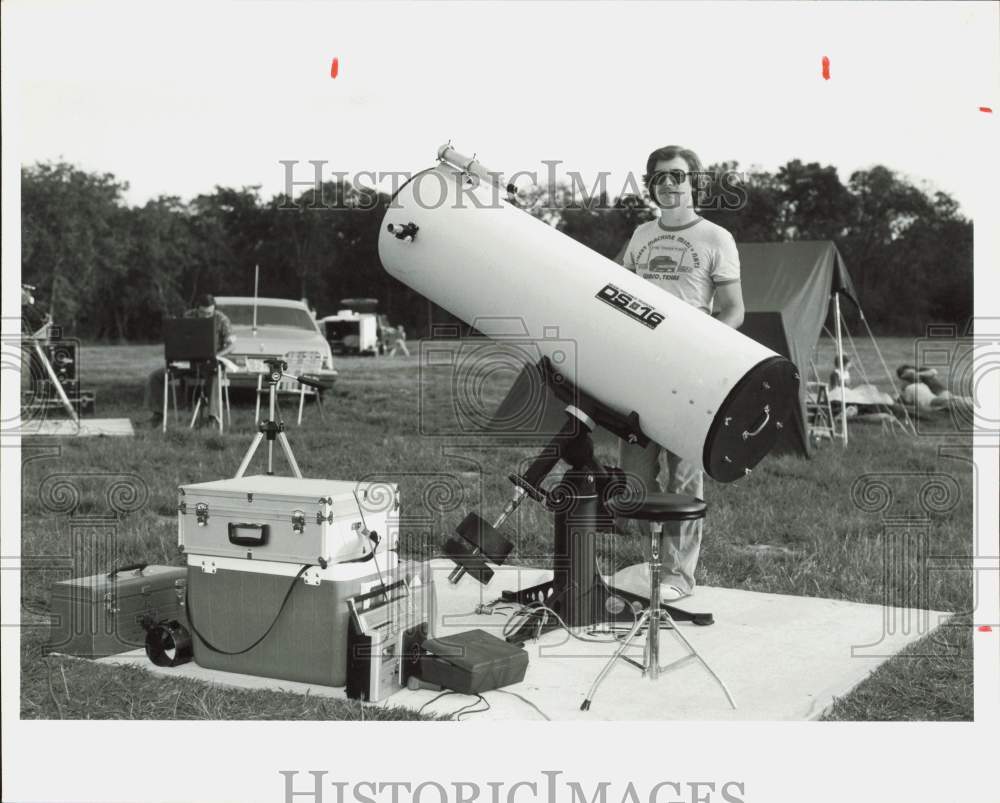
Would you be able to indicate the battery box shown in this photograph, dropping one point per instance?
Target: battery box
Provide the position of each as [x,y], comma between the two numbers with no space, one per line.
[472,662]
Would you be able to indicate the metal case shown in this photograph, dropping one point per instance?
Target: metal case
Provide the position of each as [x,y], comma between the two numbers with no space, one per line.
[104,614]
[286,519]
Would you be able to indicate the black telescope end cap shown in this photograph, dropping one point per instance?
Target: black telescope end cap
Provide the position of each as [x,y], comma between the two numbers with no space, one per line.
[751,419]
[477,533]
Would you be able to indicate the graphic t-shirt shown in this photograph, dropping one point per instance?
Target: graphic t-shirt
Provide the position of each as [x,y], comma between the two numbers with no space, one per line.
[687,261]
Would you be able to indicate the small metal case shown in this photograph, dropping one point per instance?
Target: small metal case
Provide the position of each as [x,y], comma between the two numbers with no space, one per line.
[287,519]
[104,614]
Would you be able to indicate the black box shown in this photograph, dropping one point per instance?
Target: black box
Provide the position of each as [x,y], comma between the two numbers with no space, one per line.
[472,662]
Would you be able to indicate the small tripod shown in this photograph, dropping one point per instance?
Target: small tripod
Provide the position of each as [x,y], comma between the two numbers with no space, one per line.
[272,428]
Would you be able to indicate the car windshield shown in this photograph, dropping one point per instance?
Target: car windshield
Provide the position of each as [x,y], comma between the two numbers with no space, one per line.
[242,315]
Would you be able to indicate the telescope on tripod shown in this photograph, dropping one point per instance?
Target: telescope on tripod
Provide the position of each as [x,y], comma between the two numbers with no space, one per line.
[648,367]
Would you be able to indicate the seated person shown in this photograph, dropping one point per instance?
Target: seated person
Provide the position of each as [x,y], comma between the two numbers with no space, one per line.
[34,322]
[204,308]
[837,378]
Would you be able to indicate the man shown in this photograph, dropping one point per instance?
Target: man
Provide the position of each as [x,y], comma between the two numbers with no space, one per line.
[696,261]
[204,307]
[399,344]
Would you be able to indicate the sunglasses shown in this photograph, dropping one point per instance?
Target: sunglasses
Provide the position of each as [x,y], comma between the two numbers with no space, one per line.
[676,177]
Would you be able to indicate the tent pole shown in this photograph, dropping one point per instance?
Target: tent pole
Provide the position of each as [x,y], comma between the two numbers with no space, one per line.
[888,373]
[840,366]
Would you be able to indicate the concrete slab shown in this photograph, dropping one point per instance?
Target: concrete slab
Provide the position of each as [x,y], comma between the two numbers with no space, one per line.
[782,657]
[87,428]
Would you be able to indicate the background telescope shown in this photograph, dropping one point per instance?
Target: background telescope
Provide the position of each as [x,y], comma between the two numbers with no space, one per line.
[698,388]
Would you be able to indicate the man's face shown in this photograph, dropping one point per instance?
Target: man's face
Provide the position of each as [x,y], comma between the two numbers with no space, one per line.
[670,190]
[206,312]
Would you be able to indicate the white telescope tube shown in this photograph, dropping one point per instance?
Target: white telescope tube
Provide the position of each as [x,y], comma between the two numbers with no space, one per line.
[700,388]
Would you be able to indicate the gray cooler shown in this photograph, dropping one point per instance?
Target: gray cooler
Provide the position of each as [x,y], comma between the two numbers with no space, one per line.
[233,603]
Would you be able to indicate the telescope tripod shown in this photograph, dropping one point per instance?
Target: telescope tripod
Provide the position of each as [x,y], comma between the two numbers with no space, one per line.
[272,429]
[580,503]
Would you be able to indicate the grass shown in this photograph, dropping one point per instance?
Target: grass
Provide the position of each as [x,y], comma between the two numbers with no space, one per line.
[791,528]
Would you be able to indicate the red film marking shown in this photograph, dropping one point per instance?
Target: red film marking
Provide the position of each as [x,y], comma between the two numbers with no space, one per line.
[985,629]
[986,109]
[826,68]
[335,67]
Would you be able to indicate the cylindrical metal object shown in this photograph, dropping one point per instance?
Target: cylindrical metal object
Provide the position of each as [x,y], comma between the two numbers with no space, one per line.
[655,614]
[574,559]
[699,387]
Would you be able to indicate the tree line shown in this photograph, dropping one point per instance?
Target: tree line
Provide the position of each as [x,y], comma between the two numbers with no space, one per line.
[110,271]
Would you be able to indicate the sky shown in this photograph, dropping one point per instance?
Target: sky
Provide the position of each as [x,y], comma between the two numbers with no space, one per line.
[188,97]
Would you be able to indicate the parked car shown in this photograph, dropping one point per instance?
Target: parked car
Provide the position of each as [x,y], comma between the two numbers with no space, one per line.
[284,328]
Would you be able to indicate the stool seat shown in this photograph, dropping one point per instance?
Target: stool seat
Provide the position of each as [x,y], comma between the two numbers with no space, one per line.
[660,507]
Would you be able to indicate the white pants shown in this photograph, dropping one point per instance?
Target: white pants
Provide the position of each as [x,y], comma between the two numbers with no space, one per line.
[680,544]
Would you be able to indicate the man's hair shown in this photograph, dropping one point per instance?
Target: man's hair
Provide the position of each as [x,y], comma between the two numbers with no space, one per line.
[666,154]
[205,300]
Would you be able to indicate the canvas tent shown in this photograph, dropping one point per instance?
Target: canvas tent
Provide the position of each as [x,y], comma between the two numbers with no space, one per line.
[787,290]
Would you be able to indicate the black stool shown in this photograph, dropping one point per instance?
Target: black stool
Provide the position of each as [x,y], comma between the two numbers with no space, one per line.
[655,508]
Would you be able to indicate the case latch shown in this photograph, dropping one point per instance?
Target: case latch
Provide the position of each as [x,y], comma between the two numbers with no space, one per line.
[208,566]
[109,603]
[298,521]
[201,513]
[320,518]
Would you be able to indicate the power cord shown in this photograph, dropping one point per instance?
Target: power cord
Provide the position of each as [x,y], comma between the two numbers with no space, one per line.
[471,709]
[526,701]
[532,609]
[374,537]
[264,635]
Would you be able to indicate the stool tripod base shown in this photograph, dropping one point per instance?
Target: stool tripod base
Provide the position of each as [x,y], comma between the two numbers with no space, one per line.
[650,666]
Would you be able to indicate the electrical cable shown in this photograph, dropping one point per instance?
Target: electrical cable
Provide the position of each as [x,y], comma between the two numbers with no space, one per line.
[533,608]
[526,701]
[373,536]
[213,648]
[471,709]
[434,700]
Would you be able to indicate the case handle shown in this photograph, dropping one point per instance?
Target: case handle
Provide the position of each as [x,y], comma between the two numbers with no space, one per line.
[128,567]
[235,536]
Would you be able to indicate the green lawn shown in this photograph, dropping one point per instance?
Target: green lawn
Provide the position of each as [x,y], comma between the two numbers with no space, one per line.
[790,528]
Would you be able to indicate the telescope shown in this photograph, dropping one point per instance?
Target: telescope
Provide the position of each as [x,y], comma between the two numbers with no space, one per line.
[693,385]
[648,368]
